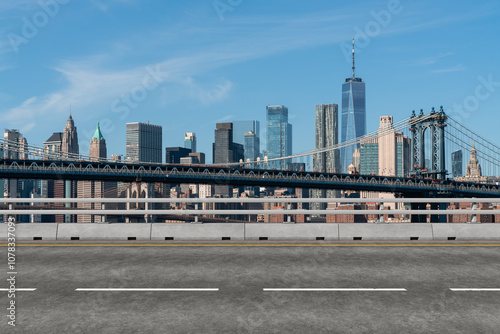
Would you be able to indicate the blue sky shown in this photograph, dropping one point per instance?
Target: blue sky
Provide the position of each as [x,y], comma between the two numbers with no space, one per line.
[186,65]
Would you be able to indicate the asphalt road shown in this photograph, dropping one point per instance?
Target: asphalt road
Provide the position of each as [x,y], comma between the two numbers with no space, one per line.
[238,300]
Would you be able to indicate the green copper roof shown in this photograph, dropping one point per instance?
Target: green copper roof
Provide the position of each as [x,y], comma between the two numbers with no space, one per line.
[97,133]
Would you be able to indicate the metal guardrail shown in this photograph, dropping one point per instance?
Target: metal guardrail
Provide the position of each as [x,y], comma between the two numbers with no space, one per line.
[250,200]
[248,212]
[135,212]
[211,174]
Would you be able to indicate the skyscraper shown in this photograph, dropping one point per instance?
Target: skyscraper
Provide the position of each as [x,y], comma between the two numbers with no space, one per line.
[94,189]
[327,135]
[190,141]
[69,150]
[252,145]
[353,114]
[69,144]
[97,148]
[457,163]
[16,146]
[225,151]
[240,129]
[61,145]
[144,142]
[173,155]
[279,135]
[369,157]
[394,150]
[473,169]
[387,155]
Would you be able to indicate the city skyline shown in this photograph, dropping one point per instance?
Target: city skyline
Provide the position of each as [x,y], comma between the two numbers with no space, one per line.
[231,161]
[406,65]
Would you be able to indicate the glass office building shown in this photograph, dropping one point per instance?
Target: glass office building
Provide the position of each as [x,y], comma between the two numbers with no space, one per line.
[368,163]
[353,117]
[279,135]
[190,141]
[457,163]
[252,146]
[143,142]
[240,129]
[353,114]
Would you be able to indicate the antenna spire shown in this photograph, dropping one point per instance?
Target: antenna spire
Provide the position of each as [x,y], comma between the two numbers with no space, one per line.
[353,66]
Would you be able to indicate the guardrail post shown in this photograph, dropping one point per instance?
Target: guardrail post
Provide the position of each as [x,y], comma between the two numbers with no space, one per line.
[289,217]
[104,217]
[196,221]
[11,217]
[473,217]
[381,215]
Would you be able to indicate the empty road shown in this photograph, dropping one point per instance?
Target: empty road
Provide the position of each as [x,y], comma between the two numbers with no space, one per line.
[253,289]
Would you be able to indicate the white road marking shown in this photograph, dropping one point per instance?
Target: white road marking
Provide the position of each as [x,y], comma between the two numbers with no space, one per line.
[20,289]
[145,289]
[334,289]
[475,289]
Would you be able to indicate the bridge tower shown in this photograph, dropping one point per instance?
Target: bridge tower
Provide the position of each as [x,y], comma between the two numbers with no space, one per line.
[140,190]
[435,122]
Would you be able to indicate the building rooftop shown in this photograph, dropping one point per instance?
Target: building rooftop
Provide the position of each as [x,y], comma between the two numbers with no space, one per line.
[97,134]
[56,137]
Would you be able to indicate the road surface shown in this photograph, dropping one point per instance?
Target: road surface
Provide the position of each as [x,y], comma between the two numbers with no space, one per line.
[254,289]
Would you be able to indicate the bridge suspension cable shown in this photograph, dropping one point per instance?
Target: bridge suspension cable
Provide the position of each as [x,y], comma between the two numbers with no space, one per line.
[469,146]
[399,126]
[463,137]
[475,134]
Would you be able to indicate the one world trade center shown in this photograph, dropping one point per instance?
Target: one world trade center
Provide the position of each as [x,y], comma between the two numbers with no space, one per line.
[353,115]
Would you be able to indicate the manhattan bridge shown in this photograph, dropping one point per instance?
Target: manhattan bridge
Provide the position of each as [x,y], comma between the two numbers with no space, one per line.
[432,138]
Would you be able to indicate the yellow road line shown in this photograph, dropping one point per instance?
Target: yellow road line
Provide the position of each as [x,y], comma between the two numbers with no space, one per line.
[255,245]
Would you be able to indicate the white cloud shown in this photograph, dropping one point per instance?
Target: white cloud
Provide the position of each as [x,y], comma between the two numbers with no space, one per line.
[208,95]
[434,59]
[456,68]
[5,67]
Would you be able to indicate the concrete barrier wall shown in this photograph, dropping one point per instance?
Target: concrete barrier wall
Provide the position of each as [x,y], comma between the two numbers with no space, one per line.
[385,231]
[466,231]
[180,231]
[258,231]
[253,232]
[104,231]
[31,231]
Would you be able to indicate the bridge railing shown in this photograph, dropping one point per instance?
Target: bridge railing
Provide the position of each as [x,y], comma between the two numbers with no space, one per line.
[269,175]
[288,211]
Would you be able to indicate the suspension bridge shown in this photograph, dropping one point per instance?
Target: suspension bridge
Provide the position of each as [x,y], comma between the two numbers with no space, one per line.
[432,137]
